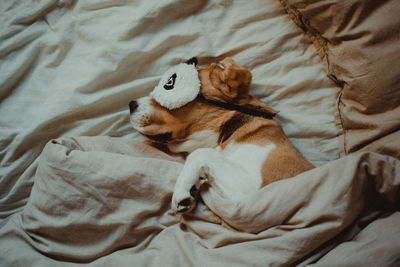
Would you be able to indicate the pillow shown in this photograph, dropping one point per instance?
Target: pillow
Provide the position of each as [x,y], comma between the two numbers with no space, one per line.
[359,42]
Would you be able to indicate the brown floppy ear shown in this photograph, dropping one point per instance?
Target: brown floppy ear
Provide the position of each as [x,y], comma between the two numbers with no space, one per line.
[231,84]
[235,80]
[225,81]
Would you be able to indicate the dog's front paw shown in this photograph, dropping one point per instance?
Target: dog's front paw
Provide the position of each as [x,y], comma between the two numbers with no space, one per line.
[184,201]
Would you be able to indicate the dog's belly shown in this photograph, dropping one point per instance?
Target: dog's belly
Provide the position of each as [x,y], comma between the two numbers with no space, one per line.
[250,158]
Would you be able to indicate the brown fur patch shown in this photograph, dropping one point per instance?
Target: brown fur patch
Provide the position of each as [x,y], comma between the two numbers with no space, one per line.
[231,85]
[282,162]
[179,124]
[231,125]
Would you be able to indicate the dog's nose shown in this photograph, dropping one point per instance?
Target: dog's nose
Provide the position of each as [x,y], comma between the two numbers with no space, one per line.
[132,106]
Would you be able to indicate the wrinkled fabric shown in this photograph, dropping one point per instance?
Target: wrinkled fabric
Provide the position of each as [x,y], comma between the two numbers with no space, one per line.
[102,200]
[70,68]
[359,42]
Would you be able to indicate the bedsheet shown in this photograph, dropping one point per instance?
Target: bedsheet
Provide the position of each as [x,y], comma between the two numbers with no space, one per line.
[70,68]
[103,200]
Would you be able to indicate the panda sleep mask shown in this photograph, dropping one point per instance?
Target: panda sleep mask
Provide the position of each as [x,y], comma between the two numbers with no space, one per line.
[178,86]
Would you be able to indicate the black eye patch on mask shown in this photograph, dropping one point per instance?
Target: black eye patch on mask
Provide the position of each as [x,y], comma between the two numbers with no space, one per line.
[171,82]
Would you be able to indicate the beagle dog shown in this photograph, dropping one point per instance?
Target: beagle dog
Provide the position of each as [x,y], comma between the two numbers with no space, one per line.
[230,138]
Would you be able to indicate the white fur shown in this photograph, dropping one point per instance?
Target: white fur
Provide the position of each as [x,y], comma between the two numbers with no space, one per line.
[235,172]
[206,138]
[250,158]
[142,114]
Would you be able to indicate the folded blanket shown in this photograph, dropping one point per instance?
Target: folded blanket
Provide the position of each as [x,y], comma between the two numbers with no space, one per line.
[103,200]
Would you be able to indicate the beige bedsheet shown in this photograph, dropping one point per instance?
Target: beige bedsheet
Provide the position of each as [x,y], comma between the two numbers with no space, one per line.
[359,43]
[106,201]
[70,68]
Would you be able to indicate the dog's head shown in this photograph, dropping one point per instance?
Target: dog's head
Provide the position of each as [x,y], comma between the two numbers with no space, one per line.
[190,107]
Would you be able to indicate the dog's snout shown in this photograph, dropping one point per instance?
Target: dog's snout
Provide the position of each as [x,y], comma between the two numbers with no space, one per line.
[133,106]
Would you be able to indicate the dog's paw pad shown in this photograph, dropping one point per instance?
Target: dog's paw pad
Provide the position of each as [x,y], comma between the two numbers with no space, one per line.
[185,202]
[185,205]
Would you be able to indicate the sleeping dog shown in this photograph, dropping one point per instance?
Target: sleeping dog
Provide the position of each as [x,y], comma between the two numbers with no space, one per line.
[231,140]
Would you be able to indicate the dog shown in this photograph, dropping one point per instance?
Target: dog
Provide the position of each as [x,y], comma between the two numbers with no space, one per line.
[231,139]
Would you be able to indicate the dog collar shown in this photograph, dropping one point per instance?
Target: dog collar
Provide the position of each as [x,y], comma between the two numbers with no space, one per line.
[178,86]
[241,109]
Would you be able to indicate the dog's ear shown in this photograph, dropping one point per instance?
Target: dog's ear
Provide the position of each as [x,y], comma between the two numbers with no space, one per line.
[231,80]
[192,61]
[230,83]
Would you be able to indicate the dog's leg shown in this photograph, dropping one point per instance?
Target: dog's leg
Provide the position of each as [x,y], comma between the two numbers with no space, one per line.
[193,173]
[207,165]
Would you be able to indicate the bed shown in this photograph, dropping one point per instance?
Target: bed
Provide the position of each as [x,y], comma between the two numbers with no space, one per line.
[78,186]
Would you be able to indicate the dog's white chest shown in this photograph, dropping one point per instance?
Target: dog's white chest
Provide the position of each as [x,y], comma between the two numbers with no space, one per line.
[250,158]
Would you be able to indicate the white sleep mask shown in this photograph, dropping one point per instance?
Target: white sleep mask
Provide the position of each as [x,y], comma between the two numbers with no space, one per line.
[178,86]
